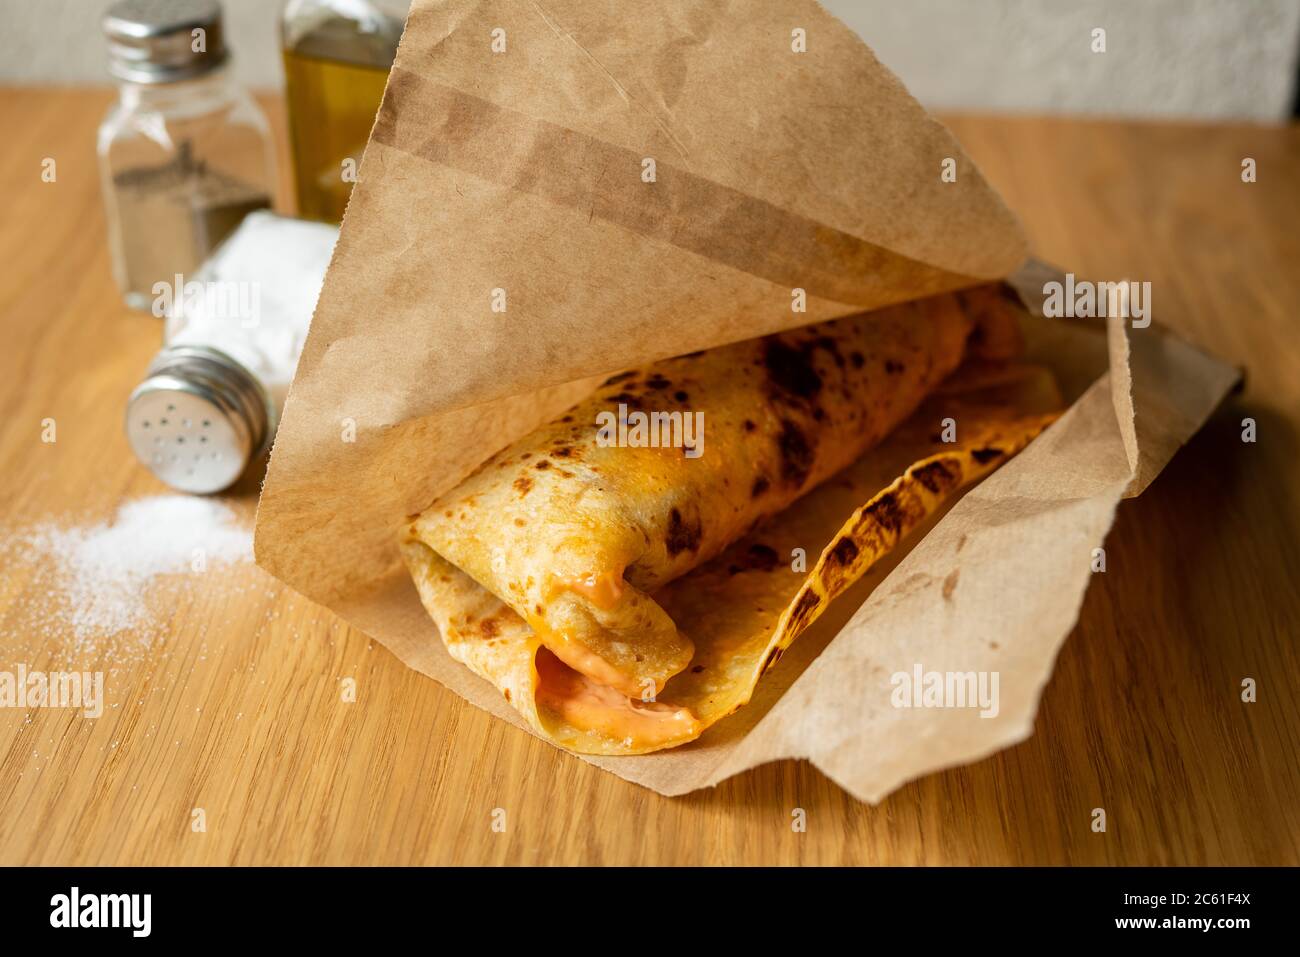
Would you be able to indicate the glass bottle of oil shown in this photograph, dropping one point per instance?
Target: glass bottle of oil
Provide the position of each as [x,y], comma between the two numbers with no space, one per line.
[337,54]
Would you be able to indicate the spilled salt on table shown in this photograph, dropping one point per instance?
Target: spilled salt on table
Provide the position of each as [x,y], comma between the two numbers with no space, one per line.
[97,577]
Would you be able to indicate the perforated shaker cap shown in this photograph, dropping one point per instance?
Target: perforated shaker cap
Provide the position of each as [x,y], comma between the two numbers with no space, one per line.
[198,419]
[162,41]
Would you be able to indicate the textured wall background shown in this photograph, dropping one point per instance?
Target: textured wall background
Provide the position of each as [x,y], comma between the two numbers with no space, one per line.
[1191,58]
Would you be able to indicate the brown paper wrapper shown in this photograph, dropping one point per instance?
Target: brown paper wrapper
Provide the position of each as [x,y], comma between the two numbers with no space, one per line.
[523,174]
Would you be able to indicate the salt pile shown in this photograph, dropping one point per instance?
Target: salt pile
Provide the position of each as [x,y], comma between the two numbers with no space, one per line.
[103,573]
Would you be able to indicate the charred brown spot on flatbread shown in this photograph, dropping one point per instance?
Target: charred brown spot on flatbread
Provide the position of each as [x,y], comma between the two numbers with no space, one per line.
[621,377]
[542,466]
[683,535]
[791,370]
[796,451]
[773,657]
[658,382]
[887,513]
[523,485]
[893,367]
[936,476]
[756,558]
[804,608]
[831,347]
[761,485]
[629,399]
[986,455]
[843,552]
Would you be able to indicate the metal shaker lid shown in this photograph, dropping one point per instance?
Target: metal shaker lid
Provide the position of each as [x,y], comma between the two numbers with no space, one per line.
[155,41]
[198,419]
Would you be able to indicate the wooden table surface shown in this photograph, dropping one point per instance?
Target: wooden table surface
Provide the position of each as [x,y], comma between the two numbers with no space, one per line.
[234,708]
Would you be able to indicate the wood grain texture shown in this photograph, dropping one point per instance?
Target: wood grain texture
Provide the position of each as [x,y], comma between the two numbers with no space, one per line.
[236,707]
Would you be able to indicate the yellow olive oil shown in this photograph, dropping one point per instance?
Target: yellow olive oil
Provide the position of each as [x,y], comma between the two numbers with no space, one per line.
[332,105]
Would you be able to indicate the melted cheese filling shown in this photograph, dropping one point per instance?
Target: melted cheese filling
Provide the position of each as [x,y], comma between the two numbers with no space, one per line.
[582,659]
[590,706]
[604,589]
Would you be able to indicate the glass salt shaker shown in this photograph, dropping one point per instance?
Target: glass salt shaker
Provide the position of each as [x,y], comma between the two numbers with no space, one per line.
[210,401]
[184,153]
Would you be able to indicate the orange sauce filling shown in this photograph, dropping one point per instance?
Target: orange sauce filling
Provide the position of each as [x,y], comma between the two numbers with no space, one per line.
[603,589]
[582,659]
[591,706]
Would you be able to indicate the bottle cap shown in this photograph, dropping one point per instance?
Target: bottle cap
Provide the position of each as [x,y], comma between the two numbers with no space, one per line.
[198,418]
[162,41]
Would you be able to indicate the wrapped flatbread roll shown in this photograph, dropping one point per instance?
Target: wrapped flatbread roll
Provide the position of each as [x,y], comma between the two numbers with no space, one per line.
[561,569]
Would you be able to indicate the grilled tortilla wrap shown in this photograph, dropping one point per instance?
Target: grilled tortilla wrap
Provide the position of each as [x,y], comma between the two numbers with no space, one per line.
[540,568]
[573,534]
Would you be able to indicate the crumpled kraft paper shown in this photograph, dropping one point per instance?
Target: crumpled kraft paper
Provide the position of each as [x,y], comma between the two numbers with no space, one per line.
[556,190]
